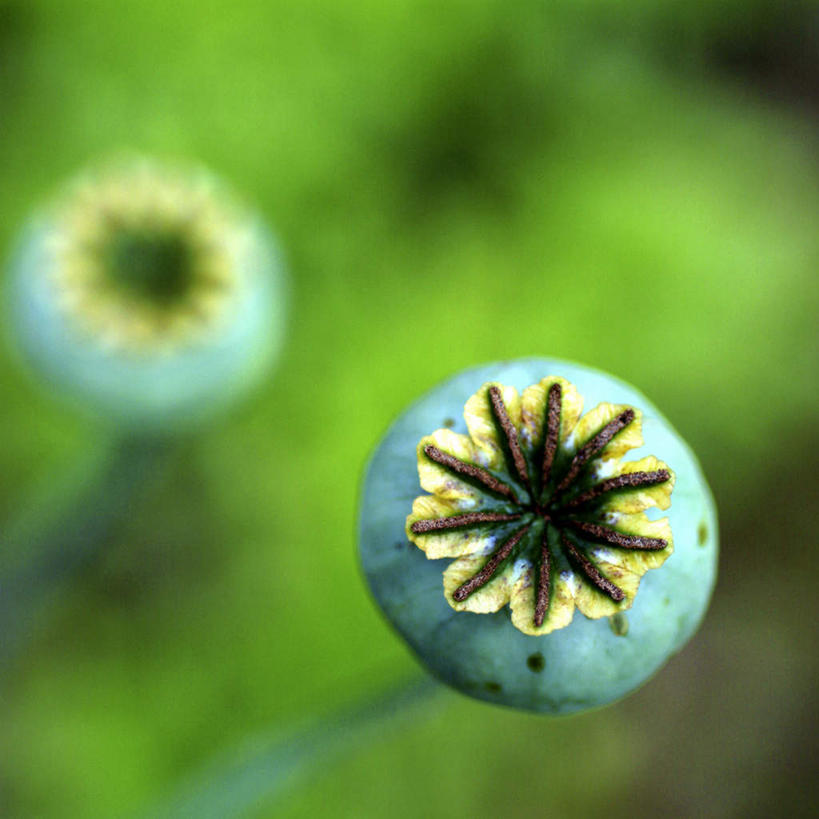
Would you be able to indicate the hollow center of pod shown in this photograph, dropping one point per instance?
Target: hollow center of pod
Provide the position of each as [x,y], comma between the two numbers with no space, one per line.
[157,267]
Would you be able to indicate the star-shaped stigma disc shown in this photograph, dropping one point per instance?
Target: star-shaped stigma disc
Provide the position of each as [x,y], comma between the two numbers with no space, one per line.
[538,508]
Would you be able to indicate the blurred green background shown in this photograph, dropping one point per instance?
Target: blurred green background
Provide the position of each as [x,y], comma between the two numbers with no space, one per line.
[630,186]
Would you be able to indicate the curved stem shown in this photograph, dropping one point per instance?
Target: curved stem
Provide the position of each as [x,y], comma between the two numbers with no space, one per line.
[264,768]
[61,530]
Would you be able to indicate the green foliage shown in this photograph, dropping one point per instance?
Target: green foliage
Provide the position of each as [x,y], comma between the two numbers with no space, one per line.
[402,148]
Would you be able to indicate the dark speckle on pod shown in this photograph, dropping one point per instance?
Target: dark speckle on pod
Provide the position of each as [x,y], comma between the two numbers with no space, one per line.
[619,624]
[535,662]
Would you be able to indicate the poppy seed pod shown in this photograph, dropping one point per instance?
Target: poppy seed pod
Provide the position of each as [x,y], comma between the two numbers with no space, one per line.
[566,546]
[146,293]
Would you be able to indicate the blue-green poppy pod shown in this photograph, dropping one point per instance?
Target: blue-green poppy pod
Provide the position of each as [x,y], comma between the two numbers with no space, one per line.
[539,534]
[146,292]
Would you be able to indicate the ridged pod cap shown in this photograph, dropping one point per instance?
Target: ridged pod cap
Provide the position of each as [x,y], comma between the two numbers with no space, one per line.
[147,294]
[539,572]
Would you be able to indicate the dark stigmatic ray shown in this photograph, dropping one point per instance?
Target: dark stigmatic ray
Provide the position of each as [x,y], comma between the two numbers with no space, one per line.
[469,470]
[582,562]
[627,481]
[510,433]
[554,407]
[543,582]
[457,521]
[594,445]
[615,538]
[490,567]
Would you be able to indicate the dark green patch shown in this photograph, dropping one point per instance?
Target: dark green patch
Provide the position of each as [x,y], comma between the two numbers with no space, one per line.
[158,268]
[493,687]
[449,423]
[463,141]
[16,29]
[535,662]
[702,533]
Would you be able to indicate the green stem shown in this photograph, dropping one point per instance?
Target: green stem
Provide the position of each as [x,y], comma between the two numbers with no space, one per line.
[266,767]
[61,530]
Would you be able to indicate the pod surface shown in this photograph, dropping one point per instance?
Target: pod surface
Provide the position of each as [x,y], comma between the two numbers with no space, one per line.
[590,662]
[147,390]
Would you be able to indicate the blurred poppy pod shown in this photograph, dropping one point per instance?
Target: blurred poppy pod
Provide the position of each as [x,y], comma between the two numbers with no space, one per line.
[579,532]
[148,294]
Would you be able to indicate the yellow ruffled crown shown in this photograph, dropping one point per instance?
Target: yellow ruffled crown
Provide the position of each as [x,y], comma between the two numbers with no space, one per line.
[538,508]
